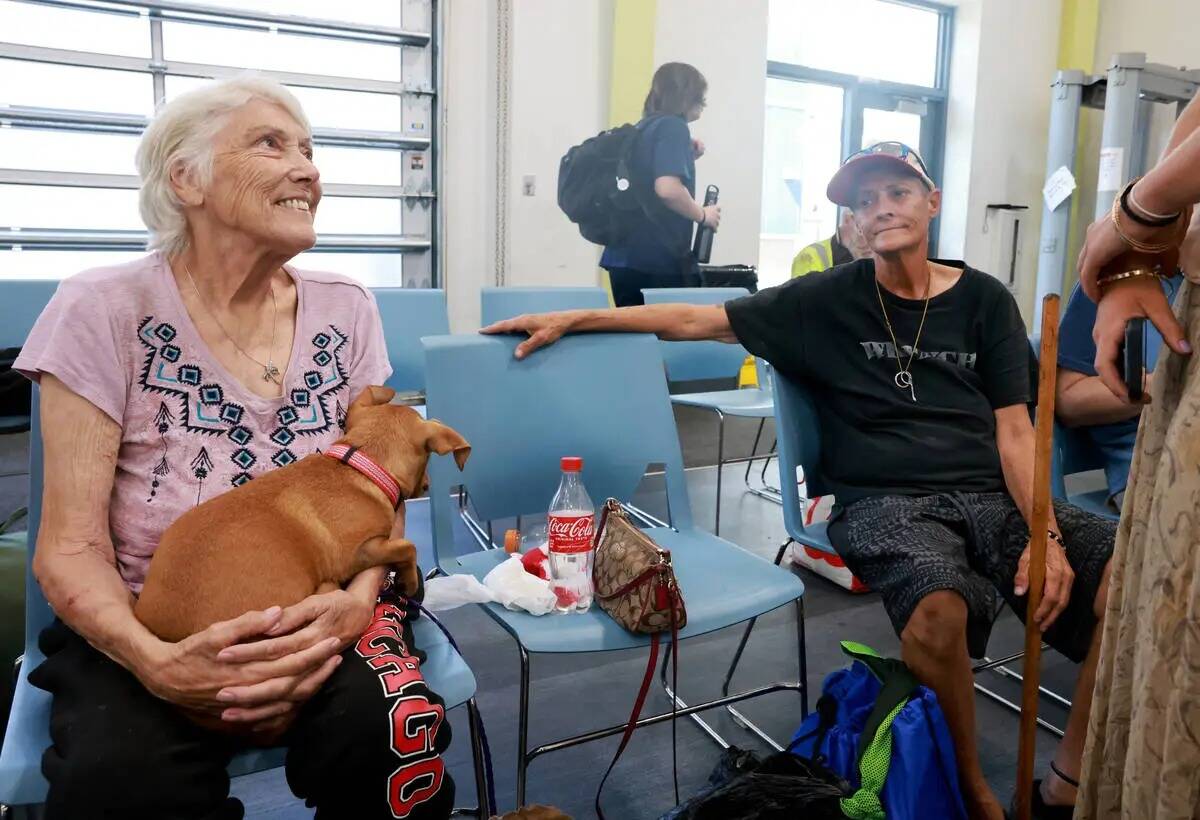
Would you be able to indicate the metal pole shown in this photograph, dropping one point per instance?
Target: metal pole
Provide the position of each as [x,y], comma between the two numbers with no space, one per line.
[1120,126]
[1065,102]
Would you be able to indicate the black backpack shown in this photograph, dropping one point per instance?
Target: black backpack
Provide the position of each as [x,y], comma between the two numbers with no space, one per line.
[598,188]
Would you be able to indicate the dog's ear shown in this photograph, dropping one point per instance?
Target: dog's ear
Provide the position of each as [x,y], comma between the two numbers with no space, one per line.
[373,395]
[443,439]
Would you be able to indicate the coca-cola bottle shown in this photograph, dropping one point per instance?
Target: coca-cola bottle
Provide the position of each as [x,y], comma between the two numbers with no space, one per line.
[571,529]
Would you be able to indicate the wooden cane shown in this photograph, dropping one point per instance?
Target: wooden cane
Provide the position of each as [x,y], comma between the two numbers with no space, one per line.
[1039,529]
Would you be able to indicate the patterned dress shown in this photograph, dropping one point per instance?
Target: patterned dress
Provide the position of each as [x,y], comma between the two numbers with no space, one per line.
[1142,758]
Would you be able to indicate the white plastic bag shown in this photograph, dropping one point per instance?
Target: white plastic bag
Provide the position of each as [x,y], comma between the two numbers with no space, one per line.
[451,591]
[516,589]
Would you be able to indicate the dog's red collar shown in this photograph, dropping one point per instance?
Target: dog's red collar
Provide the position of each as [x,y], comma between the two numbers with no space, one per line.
[368,467]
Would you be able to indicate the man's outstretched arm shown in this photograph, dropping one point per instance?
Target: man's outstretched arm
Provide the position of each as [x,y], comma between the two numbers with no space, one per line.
[670,322]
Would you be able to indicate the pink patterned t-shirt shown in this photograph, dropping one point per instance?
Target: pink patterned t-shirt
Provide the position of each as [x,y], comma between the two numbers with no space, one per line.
[121,338]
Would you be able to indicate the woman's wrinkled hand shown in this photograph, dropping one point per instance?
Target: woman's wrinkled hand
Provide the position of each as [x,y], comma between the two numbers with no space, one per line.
[195,673]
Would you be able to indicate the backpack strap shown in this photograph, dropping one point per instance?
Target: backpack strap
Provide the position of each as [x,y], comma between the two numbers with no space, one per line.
[875,742]
[899,685]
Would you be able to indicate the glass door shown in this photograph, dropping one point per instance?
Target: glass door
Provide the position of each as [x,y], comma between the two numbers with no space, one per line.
[877,116]
[803,146]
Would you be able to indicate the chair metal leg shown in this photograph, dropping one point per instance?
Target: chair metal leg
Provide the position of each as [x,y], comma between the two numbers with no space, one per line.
[766,491]
[1000,667]
[802,641]
[802,649]
[523,728]
[486,810]
[679,704]
[754,448]
[720,465]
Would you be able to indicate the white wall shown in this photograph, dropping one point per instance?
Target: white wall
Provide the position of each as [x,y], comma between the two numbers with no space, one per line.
[1005,57]
[559,97]
[468,157]
[1167,30]
[730,48]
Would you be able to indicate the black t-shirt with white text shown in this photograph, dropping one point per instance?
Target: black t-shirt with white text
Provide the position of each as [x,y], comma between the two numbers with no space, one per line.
[827,330]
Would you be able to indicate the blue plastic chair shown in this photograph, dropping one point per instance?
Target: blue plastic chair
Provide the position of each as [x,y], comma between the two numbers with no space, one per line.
[1074,453]
[602,397]
[498,304]
[408,314]
[797,433]
[28,733]
[690,361]
[21,302]
[711,360]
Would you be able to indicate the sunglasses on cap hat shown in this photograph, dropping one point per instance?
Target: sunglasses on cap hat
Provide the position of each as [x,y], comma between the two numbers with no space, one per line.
[841,188]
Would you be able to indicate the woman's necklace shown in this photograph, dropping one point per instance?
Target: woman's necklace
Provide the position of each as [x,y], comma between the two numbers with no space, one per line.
[270,371]
[904,379]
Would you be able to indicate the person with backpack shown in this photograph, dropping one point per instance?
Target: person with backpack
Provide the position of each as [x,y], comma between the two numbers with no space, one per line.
[655,251]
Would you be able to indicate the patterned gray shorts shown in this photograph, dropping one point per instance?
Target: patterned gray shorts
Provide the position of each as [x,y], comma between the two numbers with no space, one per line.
[906,547]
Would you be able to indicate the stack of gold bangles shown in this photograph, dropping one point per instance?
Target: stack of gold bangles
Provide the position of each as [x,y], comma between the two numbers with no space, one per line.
[1178,226]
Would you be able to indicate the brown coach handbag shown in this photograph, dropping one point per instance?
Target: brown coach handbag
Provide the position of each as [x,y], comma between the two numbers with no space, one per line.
[635,584]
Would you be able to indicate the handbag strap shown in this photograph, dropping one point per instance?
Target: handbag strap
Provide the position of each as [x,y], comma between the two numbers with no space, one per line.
[640,702]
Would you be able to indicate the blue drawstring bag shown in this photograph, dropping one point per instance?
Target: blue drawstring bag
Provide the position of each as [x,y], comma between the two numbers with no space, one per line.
[883,732]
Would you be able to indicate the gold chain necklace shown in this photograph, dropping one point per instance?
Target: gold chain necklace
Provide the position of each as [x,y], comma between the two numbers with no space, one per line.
[270,371]
[903,377]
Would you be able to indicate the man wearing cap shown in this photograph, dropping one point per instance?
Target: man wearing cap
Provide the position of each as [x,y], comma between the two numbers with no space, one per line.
[920,371]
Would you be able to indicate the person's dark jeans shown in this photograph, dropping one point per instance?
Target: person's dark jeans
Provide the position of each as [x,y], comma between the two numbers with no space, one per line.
[627,284]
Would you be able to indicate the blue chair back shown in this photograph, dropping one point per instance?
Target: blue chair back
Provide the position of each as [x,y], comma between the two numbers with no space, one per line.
[599,396]
[408,314]
[498,304]
[21,302]
[688,361]
[38,614]
[797,430]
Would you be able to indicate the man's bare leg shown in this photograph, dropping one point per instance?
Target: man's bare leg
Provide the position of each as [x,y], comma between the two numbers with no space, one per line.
[1067,757]
[934,645]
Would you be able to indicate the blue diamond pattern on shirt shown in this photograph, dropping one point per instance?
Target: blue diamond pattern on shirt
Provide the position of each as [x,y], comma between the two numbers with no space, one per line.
[313,379]
[189,374]
[301,398]
[240,435]
[243,458]
[170,353]
[321,340]
[231,413]
[283,458]
[322,358]
[239,479]
[165,332]
[211,394]
[287,415]
[283,437]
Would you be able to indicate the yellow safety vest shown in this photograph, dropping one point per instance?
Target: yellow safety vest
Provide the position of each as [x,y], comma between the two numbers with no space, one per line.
[813,258]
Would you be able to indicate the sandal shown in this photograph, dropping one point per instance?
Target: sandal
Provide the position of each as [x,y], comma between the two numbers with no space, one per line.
[1039,809]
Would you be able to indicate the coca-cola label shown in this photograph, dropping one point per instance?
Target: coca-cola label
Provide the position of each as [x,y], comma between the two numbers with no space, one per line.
[571,533]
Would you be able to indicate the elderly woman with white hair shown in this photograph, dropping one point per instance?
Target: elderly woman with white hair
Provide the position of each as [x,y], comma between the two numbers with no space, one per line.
[166,381]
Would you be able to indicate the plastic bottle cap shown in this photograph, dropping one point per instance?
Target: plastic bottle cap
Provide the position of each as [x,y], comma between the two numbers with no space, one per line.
[512,541]
[572,464]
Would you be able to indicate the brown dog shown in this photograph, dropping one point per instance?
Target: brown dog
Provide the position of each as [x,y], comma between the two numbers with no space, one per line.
[306,528]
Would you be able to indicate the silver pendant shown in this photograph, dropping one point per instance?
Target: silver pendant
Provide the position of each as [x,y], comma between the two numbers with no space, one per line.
[904,381]
[271,373]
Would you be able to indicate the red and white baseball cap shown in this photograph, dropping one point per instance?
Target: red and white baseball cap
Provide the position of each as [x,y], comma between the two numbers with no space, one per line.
[881,155]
